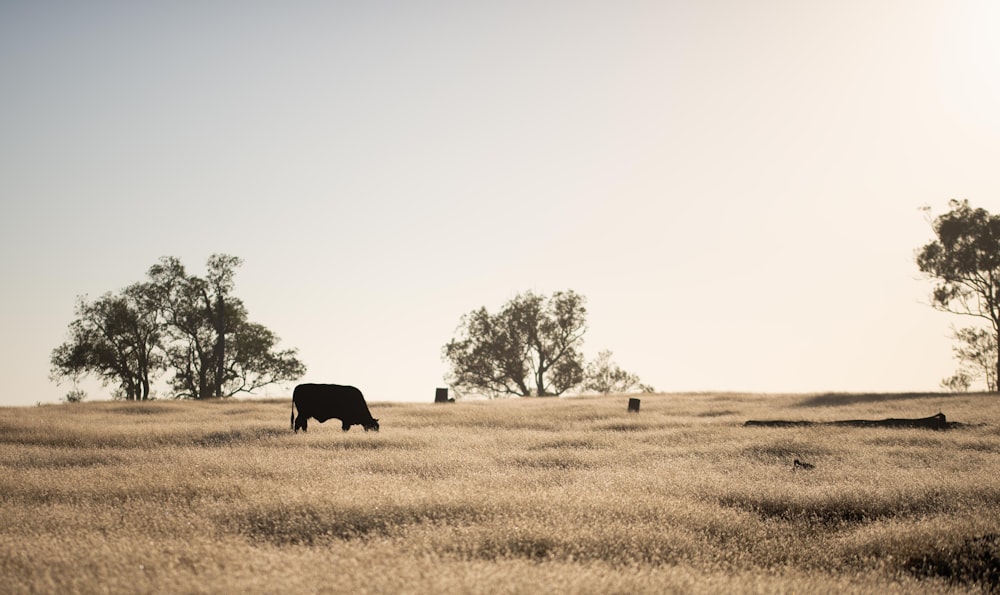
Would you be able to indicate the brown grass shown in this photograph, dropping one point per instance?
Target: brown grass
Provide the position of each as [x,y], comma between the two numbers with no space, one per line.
[513,496]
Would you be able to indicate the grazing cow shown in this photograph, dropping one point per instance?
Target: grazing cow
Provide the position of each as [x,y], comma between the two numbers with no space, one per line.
[328,401]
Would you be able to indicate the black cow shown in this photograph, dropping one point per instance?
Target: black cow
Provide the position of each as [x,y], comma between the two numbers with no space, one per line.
[328,401]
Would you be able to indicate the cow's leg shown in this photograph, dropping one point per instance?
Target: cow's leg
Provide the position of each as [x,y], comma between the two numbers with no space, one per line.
[301,422]
[346,426]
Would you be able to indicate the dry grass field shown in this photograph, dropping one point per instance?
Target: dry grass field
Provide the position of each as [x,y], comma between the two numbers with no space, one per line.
[511,496]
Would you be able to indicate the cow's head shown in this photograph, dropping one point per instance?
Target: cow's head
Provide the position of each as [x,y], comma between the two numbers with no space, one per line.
[372,425]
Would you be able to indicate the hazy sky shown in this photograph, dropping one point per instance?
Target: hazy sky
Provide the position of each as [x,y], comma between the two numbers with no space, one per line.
[734,186]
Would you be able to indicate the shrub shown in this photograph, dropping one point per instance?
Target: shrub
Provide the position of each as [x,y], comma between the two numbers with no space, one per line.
[75,395]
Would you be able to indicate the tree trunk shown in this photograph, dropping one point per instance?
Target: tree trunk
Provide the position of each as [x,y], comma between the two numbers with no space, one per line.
[996,379]
[220,346]
[203,388]
[934,422]
[540,389]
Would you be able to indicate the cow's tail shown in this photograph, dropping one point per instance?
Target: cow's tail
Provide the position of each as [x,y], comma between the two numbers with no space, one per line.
[293,415]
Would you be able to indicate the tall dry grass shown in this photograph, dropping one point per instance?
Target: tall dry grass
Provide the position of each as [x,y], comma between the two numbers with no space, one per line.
[514,496]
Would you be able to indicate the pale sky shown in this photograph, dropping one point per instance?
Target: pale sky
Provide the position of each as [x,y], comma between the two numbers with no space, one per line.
[734,186]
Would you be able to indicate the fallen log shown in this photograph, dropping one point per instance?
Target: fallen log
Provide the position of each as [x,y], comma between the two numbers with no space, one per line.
[934,422]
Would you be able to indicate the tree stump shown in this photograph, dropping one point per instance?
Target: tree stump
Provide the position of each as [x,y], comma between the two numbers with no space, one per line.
[441,395]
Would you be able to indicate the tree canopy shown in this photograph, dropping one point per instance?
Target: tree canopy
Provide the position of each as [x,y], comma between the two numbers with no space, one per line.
[964,262]
[605,376]
[116,338]
[191,326]
[531,347]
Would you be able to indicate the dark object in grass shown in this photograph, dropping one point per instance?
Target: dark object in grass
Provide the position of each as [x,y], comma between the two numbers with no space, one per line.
[934,422]
[441,396]
[331,401]
[797,464]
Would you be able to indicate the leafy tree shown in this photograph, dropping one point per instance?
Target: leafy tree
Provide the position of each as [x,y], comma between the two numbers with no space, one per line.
[977,355]
[212,348]
[176,321]
[964,261]
[195,312]
[530,347]
[252,362]
[604,376]
[116,338]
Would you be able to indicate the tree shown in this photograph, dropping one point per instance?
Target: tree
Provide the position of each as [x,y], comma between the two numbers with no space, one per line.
[977,355]
[176,321]
[195,313]
[212,348]
[964,261]
[604,376]
[251,360]
[530,347]
[116,338]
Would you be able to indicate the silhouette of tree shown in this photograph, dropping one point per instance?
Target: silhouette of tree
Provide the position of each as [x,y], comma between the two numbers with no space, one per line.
[977,355]
[213,349]
[964,261]
[116,338]
[530,347]
[176,321]
[604,376]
